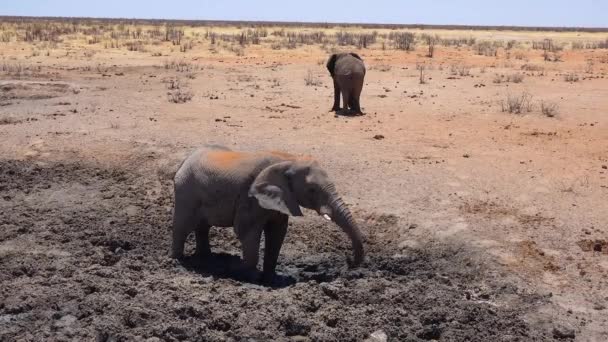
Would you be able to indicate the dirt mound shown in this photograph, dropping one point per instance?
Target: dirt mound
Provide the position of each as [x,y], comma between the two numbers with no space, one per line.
[14,90]
[83,256]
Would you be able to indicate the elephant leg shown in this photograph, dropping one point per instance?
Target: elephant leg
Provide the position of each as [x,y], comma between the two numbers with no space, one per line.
[250,244]
[346,98]
[202,239]
[184,221]
[356,95]
[274,234]
[336,106]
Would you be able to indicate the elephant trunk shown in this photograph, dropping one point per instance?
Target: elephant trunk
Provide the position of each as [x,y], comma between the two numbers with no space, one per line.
[343,218]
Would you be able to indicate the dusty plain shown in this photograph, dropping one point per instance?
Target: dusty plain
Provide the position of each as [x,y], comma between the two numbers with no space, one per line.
[479,176]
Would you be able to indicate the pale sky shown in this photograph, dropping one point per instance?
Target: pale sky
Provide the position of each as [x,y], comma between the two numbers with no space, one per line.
[587,13]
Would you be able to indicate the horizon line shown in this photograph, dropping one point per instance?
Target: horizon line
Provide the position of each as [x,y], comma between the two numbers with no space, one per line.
[319,23]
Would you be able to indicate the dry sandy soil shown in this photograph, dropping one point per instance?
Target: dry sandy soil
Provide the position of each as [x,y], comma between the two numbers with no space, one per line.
[480,224]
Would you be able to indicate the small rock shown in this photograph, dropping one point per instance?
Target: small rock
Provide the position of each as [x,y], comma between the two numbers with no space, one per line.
[604,167]
[466,155]
[377,336]
[378,136]
[563,332]
[599,306]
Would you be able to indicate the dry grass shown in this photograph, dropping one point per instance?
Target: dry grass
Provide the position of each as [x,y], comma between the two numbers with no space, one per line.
[510,78]
[549,109]
[571,77]
[517,104]
[310,80]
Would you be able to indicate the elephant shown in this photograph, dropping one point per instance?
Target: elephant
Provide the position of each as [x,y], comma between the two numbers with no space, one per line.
[348,72]
[253,192]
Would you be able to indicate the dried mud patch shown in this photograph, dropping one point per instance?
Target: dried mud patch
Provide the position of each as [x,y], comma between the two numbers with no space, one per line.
[83,257]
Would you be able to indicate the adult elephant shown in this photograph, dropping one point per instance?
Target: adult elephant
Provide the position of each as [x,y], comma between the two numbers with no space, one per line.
[348,72]
[253,192]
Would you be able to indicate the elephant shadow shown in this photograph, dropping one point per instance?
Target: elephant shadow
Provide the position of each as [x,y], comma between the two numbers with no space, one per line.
[347,113]
[228,266]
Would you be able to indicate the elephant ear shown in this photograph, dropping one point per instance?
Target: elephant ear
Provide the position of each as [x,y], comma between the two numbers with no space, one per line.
[273,190]
[331,64]
[356,56]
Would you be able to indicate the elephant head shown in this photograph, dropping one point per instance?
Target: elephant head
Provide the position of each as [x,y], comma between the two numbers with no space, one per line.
[331,63]
[286,186]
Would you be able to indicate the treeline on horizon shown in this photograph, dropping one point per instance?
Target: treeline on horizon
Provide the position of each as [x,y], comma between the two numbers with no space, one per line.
[127,21]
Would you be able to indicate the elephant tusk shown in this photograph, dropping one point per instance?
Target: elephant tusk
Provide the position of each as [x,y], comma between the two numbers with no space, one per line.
[325,216]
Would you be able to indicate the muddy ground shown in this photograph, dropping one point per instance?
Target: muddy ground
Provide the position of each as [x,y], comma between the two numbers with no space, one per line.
[88,261]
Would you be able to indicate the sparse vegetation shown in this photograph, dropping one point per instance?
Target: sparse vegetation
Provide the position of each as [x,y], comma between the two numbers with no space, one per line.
[180,96]
[549,109]
[571,77]
[310,80]
[460,69]
[512,78]
[517,104]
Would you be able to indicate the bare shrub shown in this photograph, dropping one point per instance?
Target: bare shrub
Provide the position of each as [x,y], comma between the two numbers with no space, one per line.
[517,104]
[532,67]
[460,69]
[589,66]
[421,67]
[431,41]
[486,48]
[403,40]
[571,77]
[512,78]
[310,80]
[549,109]
[180,96]
[458,42]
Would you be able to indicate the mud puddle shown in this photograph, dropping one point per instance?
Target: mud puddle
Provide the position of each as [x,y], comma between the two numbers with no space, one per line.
[83,257]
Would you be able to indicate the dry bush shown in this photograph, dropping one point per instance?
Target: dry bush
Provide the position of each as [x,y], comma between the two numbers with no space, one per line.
[458,42]
[180,96]
[517,104]
[460,69]
[135,46]
[549,109]
[421,67]
[532,67]
[180,66]
[430,42]
[310,80]
[571,77]
[511,78]
[403,40]
[486,48]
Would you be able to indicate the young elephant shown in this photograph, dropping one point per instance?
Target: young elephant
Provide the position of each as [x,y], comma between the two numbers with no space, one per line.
[348,72]
[253,192]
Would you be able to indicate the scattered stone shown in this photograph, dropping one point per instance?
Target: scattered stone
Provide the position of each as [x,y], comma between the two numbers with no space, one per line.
[466,155]
[378,136]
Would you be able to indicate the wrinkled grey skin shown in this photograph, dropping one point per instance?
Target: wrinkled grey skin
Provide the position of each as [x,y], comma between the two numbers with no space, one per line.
[254,193]
[348,73]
